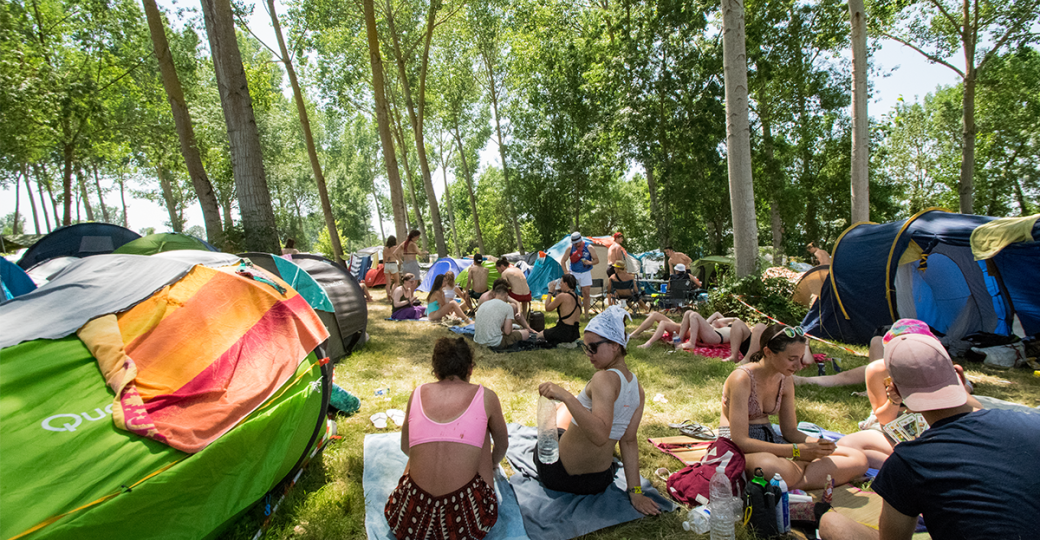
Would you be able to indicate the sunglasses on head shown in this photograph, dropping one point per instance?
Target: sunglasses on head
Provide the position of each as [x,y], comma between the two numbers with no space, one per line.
[791,332]
[591,348]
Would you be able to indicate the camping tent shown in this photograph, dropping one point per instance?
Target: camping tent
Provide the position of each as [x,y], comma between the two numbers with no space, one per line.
[546,270]
[375,277]
[601,244]
[361,260]
[79,240]
[13,280]
[707,269]
[650,262]
[160,242]
[440,267]
[42,272]
[463,279]
[346,295]
[319,300]
[808,288]
[13,242]
[57,410]
[933,267]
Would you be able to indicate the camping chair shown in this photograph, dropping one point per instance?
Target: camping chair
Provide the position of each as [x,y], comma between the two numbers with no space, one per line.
[630,302]
[597,297]
[678,295]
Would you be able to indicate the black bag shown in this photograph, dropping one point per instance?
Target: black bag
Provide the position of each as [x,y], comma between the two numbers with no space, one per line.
[762,498]
[536,319]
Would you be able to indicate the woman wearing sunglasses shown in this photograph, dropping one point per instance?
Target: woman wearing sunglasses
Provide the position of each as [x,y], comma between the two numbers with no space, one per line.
[764,387]
[606,413]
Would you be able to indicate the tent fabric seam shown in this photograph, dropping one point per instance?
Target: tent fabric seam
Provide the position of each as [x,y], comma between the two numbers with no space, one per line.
[892,250]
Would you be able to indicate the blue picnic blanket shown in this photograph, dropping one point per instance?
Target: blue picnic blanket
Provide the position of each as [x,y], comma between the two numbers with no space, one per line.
[554,515]
[384,465]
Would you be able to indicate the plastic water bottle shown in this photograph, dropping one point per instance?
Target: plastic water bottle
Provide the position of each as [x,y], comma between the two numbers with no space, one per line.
[722,504]
[548,437]
[783,510]
[698,520]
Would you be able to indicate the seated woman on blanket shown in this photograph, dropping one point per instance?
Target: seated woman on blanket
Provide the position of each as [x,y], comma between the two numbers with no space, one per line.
[606,413]
[439,306]
[447,490]
[405,304]
[453,291]
[764,387]
[625,286]
[566,330]
[885,404]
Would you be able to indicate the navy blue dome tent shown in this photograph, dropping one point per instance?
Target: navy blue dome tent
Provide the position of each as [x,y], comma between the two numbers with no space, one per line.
[958,273]
[79,240]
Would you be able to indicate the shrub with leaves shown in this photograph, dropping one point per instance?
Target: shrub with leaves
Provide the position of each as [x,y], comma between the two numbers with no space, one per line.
[771,296]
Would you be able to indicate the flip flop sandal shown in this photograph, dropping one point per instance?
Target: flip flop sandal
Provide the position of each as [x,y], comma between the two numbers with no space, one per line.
[698,431]
[397,415]
[379,420]
[680,425]
[663,474]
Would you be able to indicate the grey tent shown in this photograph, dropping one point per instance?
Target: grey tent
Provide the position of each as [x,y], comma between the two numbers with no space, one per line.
[348,324]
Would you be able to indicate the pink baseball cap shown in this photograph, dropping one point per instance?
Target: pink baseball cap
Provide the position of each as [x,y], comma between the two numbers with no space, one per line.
[923,373]
[906,326]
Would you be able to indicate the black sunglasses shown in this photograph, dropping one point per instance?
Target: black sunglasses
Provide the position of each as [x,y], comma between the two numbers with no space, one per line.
[591,348]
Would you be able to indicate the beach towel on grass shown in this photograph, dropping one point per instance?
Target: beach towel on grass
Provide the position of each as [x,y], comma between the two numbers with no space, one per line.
[384,465]
[554,515]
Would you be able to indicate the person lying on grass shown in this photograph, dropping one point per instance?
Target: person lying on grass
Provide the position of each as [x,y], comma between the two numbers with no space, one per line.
[448,429]
[764,387]
[439,306]
[606,413]
[714,330]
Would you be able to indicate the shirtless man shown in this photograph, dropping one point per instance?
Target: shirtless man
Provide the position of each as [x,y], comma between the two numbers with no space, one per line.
[674,258]
[516,305]
[822,257]
[478,276]
[518,289]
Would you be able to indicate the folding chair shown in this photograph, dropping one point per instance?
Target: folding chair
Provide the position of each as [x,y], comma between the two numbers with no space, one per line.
[677,296]
[597,297]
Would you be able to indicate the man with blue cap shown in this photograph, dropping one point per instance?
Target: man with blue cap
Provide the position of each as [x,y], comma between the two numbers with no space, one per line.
[579,259]
[606,413]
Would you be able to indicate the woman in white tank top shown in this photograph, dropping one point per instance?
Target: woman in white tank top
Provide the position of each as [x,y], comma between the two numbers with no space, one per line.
[606,413]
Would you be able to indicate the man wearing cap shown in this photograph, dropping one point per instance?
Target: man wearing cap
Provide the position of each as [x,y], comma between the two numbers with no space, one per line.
[579,259]
[971,474]
[478,277]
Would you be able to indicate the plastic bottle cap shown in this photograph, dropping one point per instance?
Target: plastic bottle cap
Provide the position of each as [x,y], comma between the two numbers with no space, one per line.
[1036,373]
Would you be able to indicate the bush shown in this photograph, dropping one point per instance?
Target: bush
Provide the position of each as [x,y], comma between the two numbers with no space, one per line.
[771,296]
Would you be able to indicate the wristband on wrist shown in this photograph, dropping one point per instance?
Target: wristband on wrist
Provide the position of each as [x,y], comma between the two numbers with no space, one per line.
[795,452]
[637,490]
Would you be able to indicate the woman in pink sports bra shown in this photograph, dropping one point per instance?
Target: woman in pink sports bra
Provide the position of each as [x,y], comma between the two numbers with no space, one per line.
[447,435]
[765,387]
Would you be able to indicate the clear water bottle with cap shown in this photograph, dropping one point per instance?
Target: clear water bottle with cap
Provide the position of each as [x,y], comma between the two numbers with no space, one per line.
[698,520]
[548,438]
[723,506]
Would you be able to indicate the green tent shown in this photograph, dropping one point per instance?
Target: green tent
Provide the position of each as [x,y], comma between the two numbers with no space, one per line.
[69,473]
[160,242]
[706,268]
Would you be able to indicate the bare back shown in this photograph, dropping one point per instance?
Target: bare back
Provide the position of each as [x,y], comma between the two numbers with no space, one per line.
[517,281]
[478,278]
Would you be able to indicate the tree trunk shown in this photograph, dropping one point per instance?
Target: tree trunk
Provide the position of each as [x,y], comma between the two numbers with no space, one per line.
[185,130]
[860,120]
[229,220]
[379,214]
[651,184]
[254,197]
[738,138]
[378,91]
[451,212]
[493,91]
[32,202]
[967,184]
[50,194]
[168,197]
[100,195]
[122,199]
[395,116]
[43,201]
[416,117]
[17,195]
[323,193]
[83,193]
[776,223]
[66,183]
[469,188]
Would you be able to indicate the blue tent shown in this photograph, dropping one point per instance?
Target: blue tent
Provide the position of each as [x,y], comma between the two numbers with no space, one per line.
[546,270]
[442,266]
[934,267]
[79,240]
[13,280]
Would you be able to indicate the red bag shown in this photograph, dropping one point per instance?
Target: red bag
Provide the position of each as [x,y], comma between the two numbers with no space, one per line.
[690,485]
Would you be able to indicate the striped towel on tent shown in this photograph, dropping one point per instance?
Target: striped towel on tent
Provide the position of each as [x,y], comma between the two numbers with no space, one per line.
[201,354]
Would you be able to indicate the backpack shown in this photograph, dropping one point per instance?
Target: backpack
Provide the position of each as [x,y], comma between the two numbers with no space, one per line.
[690,485]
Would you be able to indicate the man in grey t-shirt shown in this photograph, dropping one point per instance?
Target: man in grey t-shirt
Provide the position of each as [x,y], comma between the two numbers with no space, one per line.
[494,326]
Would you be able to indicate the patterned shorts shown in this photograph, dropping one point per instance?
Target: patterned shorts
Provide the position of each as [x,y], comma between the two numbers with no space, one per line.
[468,512]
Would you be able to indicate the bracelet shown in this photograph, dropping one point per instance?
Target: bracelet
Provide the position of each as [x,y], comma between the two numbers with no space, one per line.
[795,452]
[637,490]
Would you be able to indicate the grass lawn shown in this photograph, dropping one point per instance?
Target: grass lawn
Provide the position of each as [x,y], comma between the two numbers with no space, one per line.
[328,501]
